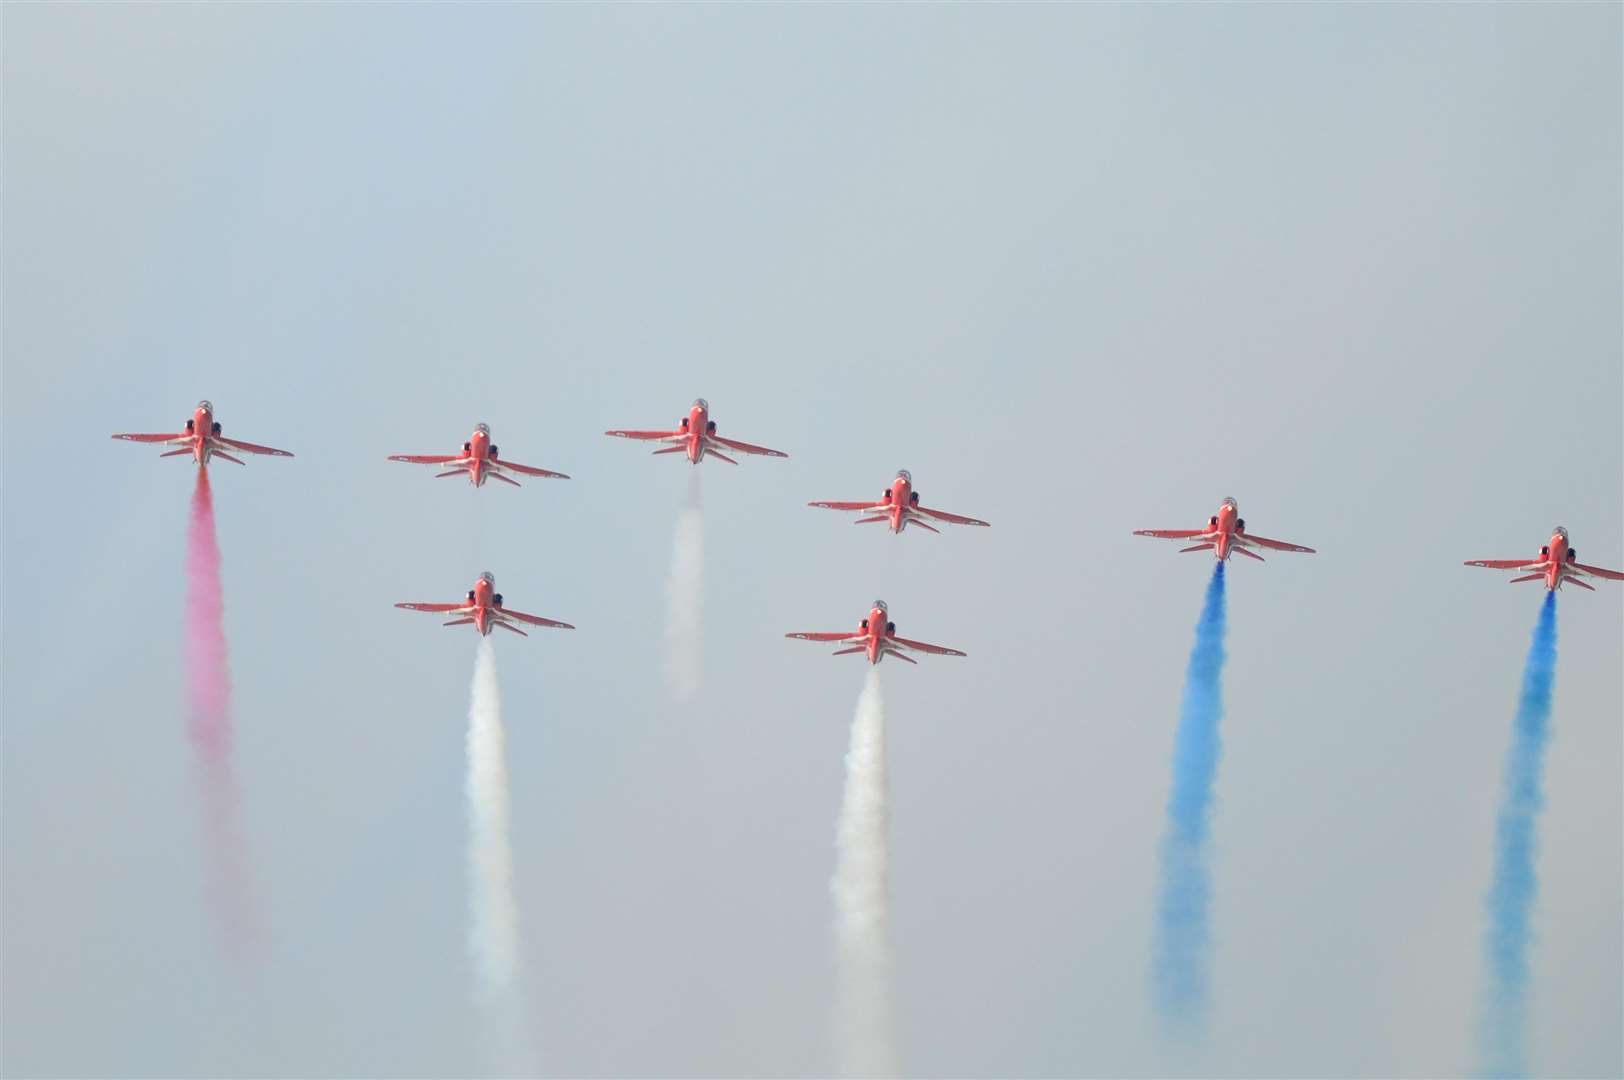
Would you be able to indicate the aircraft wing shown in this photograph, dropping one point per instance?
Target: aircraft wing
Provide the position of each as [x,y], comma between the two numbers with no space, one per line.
[951,519]
[535,620]
[252,448]
[426,459]
[150,438]
[1596,571]
[938,650]
[746,448]
[645,434]
[1503,564]
[529,470]
[1171,534]
[838,635]
[1278,545]
[433,607]
[847,505]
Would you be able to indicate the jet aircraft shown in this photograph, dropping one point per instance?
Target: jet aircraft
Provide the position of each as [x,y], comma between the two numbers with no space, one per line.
[201,439]
[484,611]
[695,435]
[1225,532]
[478,461]
[876,636]
[1557,563]
[899,506]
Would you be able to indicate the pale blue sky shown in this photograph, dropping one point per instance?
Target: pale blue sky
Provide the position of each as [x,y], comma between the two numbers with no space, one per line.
[1080,268]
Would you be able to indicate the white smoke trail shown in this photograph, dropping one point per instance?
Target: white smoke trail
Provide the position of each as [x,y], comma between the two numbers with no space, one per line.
[493,912]
[685,622]
[863,1032]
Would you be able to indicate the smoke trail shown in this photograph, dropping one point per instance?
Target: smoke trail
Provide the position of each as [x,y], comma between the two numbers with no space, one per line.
[685,625]
[493,912]
[1511,895]
[863,1031]
[225,848]
[1180,976]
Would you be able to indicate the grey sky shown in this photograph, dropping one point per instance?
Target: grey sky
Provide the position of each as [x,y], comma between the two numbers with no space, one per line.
[1081,269]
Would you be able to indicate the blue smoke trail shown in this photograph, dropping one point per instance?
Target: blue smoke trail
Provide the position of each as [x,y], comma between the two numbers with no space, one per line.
[1180,975]
[1511,895]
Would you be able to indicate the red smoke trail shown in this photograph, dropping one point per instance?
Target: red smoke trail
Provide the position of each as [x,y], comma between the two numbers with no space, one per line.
[209,725]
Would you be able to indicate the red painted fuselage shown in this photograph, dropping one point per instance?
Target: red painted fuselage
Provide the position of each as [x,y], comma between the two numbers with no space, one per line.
[202,441]
[1557,564]
[876,638]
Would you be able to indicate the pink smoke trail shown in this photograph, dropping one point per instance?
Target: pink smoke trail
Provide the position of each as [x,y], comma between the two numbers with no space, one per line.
[225,849]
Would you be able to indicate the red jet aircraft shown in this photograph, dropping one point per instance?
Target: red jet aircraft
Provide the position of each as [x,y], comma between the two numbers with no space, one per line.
[202,439]
[899,505]
[877,636]
[1225,533]
[484,611]
[1556,563]
[696,436]
[478,460]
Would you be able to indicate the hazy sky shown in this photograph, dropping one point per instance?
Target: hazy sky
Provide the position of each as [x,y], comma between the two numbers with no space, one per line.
[1081,269]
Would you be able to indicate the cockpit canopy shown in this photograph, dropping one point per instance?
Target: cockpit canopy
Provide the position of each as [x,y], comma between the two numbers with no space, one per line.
[483,428]
[1229,501]
[904,474]
[701,403]
[206,405]
[881,605]
[1560,531]
[487,576]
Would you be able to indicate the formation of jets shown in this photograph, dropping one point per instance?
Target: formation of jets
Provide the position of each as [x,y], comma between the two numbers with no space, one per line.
[898,507]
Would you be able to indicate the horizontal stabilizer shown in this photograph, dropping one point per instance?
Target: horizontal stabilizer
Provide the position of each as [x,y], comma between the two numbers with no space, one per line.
[459,622]
[228,457]
[671,450]
[1581,584]
[510,626]
[872,520]
[916,523]
[453,472]
[1197,547]
[177,453]
[1248,554]
[711,452]
[901,655]
[498,476]
[1526,577]
[848,652]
